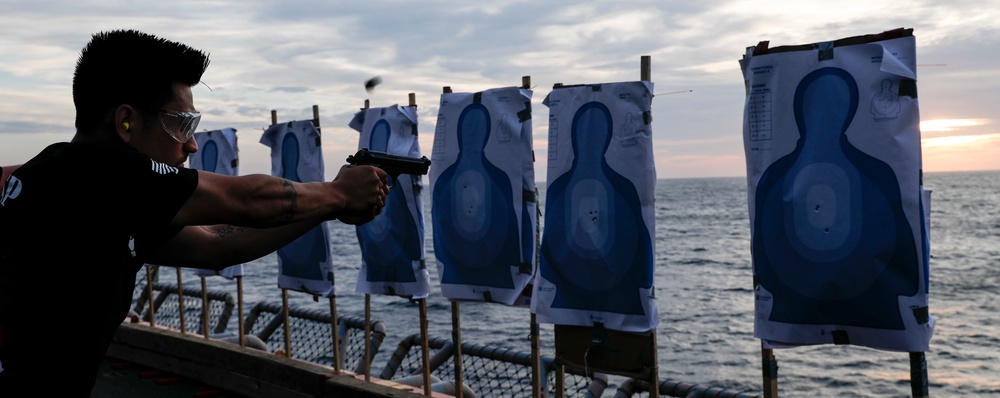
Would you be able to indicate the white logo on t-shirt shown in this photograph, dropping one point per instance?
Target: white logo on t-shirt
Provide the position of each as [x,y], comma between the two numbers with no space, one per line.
[162,168]
[11,190]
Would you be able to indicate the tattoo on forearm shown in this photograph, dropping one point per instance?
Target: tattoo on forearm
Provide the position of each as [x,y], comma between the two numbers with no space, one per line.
[226,230]
[292,196]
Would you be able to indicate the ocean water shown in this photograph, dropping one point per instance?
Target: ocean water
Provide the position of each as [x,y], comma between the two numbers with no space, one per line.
[704,294]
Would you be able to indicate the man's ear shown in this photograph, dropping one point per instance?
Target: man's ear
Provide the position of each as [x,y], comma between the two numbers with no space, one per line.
[124,121]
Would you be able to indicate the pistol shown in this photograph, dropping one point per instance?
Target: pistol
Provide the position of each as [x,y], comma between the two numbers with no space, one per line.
[394,165]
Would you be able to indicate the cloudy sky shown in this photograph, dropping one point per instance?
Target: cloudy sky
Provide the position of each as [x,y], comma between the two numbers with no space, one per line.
[290,55]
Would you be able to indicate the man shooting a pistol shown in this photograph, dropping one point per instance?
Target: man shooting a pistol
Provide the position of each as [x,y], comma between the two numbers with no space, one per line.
[81,218]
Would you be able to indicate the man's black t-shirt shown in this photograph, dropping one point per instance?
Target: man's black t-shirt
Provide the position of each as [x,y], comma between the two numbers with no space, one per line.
[76,224]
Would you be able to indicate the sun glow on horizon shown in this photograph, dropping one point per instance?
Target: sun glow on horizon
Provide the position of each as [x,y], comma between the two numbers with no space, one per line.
[945,125]
[958,127]
[959,145]
[958,140]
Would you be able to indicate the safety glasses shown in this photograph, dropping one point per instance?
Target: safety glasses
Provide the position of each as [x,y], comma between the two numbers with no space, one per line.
[180,125]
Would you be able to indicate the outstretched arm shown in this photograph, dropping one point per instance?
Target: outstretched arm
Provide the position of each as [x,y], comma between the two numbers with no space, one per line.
[262,201]
[260,214]
[219,246]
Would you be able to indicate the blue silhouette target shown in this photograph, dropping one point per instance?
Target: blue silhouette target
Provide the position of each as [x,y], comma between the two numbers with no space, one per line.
[392,251]
[217,153]
[595,242]
[389,243]
[832,243]
[299,258]
[304,264]
[596,256]
[210,155]
[476,234]
[838,212]
[483,196]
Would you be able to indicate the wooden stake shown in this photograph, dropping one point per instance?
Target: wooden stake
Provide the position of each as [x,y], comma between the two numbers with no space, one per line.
[644,67]
[284,292]
[560,379]
[368,330]
[919,384]
[316,117]
[334,320]
[423,316]
[239,303]
[654,386]
[288,326]
[769,368]
[149,289]
[204,307]
[425,344]
[456,335]
[536,366]
[456,327]
[180,300]
[336,334]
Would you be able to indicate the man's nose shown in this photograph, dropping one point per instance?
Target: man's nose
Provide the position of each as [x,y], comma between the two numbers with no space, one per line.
[191,146]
